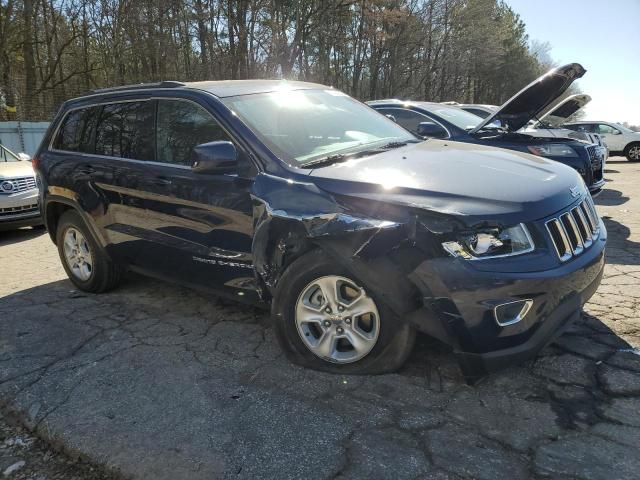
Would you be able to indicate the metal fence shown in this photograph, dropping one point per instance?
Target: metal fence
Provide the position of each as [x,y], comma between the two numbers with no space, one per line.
[24,118]
[22,136]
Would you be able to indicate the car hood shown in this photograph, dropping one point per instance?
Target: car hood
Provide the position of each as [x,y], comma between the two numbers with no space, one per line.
[559,113]
[534,98]
[457,178]
[15,169]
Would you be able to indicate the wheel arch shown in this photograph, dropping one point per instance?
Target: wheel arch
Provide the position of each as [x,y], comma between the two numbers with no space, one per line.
[56,206]
[628,146]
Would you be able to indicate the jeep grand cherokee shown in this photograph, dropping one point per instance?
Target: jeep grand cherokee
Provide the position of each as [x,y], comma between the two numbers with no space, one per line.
[295,195]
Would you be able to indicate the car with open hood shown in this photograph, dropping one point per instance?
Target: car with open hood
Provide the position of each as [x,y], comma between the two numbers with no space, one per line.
[18,191]
[550,122]
[353,232]
[502,127]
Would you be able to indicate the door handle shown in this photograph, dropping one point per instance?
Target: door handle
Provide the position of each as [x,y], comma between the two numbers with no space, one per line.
[87,169]
[161,181]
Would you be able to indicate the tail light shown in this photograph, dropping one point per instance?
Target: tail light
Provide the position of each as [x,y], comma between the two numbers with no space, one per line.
[35,162]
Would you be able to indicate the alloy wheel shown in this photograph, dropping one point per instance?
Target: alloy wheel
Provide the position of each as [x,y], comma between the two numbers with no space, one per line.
[78,254]
[337,320]
[634,152]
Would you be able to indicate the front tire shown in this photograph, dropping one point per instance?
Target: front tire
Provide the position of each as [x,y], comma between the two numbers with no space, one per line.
[632,152]
[87,266]
[325,319]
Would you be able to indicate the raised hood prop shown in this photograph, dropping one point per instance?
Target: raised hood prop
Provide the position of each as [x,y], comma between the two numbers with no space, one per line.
[534,98]
[561,112]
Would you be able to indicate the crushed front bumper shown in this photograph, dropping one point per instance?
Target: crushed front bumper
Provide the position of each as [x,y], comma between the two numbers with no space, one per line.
[461,310]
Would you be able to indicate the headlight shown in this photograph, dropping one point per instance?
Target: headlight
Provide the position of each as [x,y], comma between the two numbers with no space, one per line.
[552,150]
[491,243]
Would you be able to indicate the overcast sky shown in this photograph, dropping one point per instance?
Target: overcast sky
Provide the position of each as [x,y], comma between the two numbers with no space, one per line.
[603,36]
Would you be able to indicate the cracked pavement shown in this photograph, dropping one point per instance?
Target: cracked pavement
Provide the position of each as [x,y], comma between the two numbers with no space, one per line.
[155,381]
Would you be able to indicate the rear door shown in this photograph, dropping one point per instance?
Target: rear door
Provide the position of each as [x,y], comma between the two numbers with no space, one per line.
[198,226]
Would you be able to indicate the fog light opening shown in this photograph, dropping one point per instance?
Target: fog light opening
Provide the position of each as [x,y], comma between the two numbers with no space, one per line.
[510,313]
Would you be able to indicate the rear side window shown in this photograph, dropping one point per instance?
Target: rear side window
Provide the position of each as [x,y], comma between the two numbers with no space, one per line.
[76,132]
[181,125]
[125,130]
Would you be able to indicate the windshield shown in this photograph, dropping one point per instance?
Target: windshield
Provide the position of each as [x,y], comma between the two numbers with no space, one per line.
[305,125]
[623,128]
[460,118]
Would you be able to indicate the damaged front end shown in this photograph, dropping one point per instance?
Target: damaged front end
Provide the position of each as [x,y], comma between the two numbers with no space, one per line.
[396,250]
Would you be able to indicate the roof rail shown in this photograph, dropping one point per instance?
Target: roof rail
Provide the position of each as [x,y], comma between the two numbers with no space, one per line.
[163,84]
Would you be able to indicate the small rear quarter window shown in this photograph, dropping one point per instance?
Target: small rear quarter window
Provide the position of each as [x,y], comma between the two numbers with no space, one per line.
[76,132]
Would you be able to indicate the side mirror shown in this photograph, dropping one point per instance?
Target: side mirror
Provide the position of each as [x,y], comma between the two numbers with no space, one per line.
[432,130]
[617,132]
[391,117]
[24,157]
[214,158]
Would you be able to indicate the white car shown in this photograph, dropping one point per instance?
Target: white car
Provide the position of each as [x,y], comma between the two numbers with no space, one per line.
[18,191]
[619,139]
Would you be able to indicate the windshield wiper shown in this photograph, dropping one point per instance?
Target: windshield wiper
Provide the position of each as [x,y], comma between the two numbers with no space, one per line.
[397,144]
[343,157]
[330,160]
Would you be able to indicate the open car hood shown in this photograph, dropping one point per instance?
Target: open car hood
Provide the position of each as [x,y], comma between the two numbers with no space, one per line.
[558,114]
[534,98]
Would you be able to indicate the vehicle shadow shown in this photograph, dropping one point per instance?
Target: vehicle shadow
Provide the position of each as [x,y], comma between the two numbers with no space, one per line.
[620,250]
[179,315]
[9,237]
[611,198]
[150,357]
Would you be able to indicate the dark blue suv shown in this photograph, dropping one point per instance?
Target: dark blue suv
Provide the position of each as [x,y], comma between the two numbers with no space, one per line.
[295,196]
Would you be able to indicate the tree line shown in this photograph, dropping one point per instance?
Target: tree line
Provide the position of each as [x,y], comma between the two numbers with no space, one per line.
[464,50]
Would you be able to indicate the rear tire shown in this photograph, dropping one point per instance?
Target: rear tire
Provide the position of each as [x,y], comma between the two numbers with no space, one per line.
[373,341]
[632,152]
[86,264]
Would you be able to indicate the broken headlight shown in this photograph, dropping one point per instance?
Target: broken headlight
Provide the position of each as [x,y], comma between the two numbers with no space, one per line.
[491,243]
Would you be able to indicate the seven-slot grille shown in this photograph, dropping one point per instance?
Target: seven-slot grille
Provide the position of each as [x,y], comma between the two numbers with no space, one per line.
[574,231]
[17,184]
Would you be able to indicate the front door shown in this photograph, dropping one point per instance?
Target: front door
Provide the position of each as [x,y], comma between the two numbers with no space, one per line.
[612,136]
[199,226]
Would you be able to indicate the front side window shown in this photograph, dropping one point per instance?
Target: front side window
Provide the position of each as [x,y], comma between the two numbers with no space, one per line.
[76,132]
[301,126]
[607,129]
[182,125]
[125,130]
[407,118]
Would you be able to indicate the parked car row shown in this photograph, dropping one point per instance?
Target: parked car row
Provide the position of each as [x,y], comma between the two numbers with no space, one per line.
[355,232]
[511,125]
